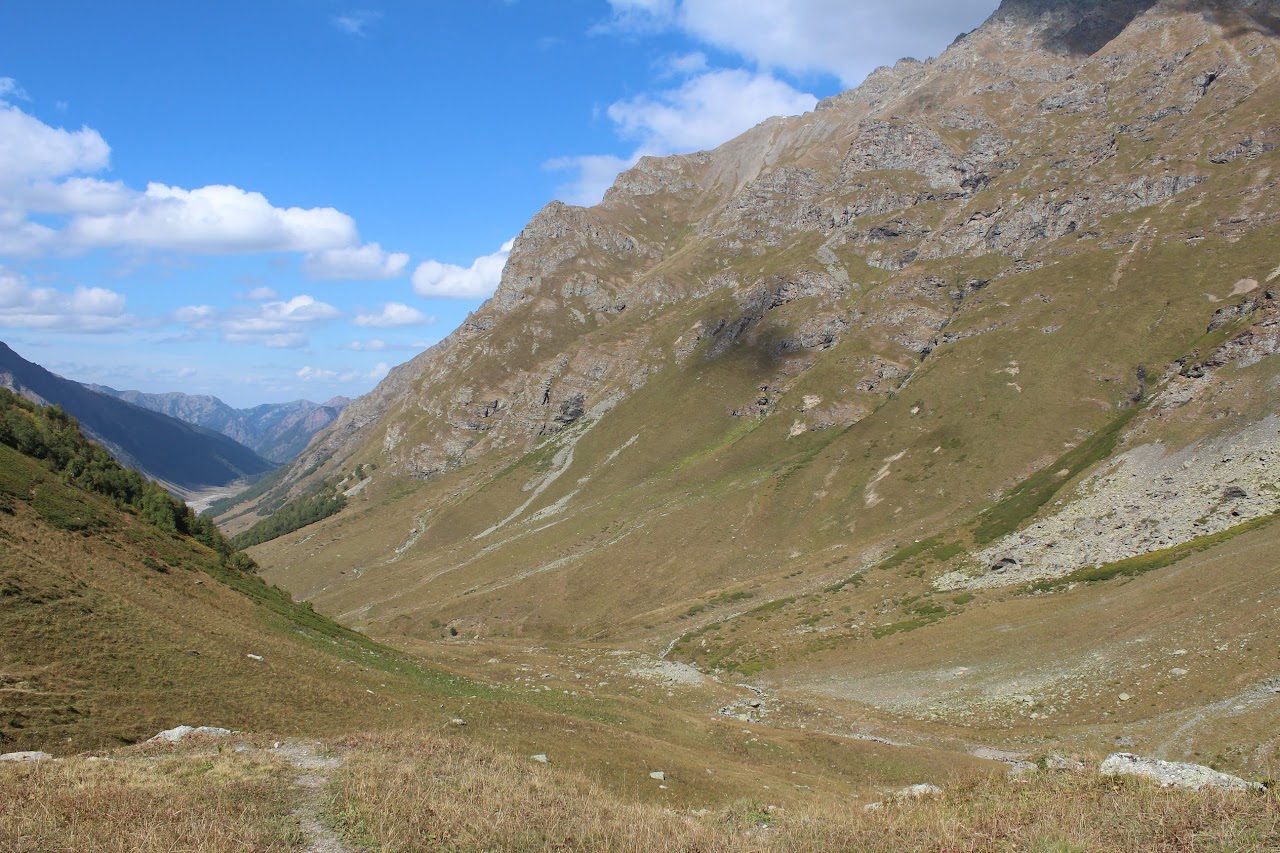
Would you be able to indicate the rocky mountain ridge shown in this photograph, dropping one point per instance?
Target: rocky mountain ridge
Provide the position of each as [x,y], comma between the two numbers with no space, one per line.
[900,194]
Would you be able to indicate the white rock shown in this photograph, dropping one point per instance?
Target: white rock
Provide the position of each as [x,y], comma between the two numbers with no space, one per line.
[25,756]
[252,656]
[541,758]
[1172,774]
[1177,672]
[918,792]
[177,734]
[1063,764]
[457,721]
[1125,697]
[659,775]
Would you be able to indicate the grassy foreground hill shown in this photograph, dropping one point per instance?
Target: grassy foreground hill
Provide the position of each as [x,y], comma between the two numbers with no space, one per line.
[125,614]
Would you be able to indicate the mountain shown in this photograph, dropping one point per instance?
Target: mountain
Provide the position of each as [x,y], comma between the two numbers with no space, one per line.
[177,454]
[275,431]
[941,403]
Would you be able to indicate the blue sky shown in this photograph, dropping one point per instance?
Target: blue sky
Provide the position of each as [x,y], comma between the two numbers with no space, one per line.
[268,200]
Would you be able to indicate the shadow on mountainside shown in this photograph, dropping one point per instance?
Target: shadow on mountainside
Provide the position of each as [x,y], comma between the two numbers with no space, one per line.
[1083,27]
[1241,22]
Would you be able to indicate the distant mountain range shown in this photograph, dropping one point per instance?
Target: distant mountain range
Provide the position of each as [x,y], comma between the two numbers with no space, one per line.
[275,431]
[180,455]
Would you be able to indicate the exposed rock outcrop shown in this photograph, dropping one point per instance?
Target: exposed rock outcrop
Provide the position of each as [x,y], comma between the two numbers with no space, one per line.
[1173,774]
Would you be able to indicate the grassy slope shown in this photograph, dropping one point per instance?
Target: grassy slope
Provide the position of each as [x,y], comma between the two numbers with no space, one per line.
[419,790]
[113,630]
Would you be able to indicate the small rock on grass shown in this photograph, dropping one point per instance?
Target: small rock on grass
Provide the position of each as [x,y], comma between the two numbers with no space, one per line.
[918,792]
[1062,764]
[181,732]
[659,775]
[25,756]
[541,758]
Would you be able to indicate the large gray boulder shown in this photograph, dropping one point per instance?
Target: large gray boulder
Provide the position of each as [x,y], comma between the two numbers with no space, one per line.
[1173,774]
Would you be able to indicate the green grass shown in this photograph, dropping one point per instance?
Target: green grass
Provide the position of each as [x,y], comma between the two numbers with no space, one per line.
[934,548]
[66,510]
[259,488]
[1037,490]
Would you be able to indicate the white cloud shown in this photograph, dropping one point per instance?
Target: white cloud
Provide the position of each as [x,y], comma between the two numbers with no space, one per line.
[330,377]
[357,22]
[706,110]
[479,280]
[358,263]
[276,324]
[367,346]
[214,220]
[195,315]
[10,88]
[79,195]
[31,150]
[82,309]
[684,65]
[261,294]
[51,171]
[394,314]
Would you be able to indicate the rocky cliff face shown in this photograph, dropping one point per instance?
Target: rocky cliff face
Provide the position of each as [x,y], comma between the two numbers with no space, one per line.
[834,334]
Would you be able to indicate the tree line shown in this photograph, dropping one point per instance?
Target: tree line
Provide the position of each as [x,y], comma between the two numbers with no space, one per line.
[50,435]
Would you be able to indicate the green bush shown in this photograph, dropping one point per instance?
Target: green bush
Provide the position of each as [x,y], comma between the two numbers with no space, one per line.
[291,516]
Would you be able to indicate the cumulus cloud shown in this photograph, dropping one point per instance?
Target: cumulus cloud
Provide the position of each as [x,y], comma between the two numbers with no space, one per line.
[276,324]
[393,314]
[358,263]
[213,220]
[31,150]
[477,281]
[378,345]
[330,377]
[50,173]
[374,345]
[706,110]
[80,310]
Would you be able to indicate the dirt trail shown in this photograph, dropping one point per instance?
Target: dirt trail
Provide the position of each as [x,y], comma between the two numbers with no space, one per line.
[313,776]
[1182,737]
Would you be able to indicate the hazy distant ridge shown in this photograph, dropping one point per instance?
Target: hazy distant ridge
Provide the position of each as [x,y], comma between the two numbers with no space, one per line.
[275,431]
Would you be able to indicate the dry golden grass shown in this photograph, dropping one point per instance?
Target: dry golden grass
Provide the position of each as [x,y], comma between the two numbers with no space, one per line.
[211,802]
[415,792]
